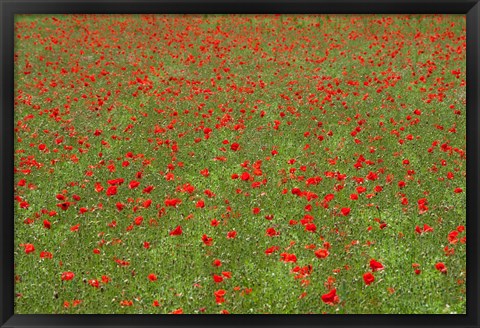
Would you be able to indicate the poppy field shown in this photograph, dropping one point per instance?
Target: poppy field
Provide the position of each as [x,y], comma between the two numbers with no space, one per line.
[240,164]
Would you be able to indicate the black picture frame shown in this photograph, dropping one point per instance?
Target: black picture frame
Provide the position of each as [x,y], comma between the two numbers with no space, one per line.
[9,8]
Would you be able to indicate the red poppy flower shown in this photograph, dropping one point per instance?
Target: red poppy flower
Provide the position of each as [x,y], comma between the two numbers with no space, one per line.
[296,191]
[75,227]
[345,211]
[133,184]
[209,193]
[94,283]
[29,248]
[227,274]
[112,190]
[452,237]
[148,189]
[217,278]
[271,232]
[418,229]
[234,146]
[311,227]
[245,176]
[118,181]
[361,189]
[329,197]
[321,253]
[152,277]
[147,203]
[64,206]
[98,187]
[376,266]
[47,224]
[126,303]
[368,278]
[177,231]
[427,228]
[219,296]
[46,255]
[285,257]
[119,206]
[207,240]
[122,262]
[271,250]
[173,202]
[440,266]
[68,275]
[372,176]
[25,204]
[138,220]
[331,297]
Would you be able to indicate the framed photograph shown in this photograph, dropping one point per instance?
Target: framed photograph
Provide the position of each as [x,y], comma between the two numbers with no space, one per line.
[267,163]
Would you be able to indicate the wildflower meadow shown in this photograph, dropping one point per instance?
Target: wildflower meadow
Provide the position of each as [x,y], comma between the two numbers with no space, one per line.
[240,164]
